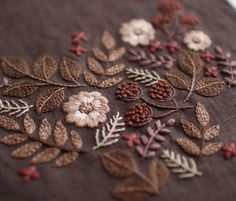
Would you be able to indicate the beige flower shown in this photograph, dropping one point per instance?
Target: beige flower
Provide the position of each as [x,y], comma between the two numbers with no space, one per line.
[197,40]
[137,32]
[86,109]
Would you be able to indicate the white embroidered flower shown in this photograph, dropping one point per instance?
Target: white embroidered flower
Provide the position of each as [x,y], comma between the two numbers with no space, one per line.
[197,40]
[86,109]
[137,32]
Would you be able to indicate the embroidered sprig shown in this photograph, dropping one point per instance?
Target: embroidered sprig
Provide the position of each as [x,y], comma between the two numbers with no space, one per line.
[29,173]
[131,140]
[78,49]
[229,150]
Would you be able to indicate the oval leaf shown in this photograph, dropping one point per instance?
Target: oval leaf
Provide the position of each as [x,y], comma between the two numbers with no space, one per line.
[60,134]
[189,146]
[14,139]
[110,82]
[90,79]
[26,150]
[115,69]
[95,66]
[191,130]
[211,148]
[44,130]
[202,114]
[212,132]
[108,40]
[116,54]
[29,125]
[76,140]
[45,156]
[66,159]
[99,55]
[8,123]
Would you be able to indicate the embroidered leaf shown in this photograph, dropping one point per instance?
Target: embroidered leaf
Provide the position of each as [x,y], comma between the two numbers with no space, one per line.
[184,167]
[212,132]
[143,76]
[90,78]
[110,133]
[113,70]
[190,62]
[109,82]
[95,66]
[21,89]
[99,55]
[76,140]
[66,159]
[45,66]
[17,107]
[49,99]
[14,139]
[211,148]
[60,134]
[118,163]
[8,123]
[26,150]
[178,79]
[209,87]
[70,70]
[14,67]
[44,130]
[189,146]
[202,114]
[29,125]
[46,156]
[190,129]
[108,40]
[116,54]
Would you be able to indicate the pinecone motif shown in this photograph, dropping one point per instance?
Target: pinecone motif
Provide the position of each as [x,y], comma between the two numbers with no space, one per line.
[138,115]
[161,91]
[128,91]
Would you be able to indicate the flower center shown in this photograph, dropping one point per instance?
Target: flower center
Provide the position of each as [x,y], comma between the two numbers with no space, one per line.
[86,108]
[138,31]
[196,40]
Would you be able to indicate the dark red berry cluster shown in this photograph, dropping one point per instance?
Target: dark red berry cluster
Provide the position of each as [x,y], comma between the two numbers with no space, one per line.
[128,91]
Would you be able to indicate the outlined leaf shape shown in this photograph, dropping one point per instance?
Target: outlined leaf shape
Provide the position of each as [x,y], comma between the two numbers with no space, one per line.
[14,139]
[113,70]
[46,156]
[202,114]
[178,79]
[49,99]
[95,66]
[29,125]
[21,89]
[99,54]
[116,54]
[90,79]
[209,87]
[190,129]
[212,132]
[118,163]
[189,146]
[60,134]
[66,159]
[69,70]
[44,130]
[8,123]
[76,140]
[211,148]
[110,82]
[26,150]
[14,67]
[108,40]
[190,62]
[45,66]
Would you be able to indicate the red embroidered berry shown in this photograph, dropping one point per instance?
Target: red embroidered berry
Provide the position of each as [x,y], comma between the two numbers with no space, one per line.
[161,91]
[170,6]
[132,140]
[229,151]
[156,46]
[207,56]
[76,38]
[128,91]
[160,20]
[211,71]
[189,20]
[78,50]
[173,46]
[29,173]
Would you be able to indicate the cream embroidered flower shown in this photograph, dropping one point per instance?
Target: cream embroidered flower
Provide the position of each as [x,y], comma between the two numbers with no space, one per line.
[137,32]
[86,109]
[197,40]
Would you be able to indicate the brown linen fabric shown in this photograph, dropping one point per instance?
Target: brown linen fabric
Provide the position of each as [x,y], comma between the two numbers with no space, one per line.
[29,28]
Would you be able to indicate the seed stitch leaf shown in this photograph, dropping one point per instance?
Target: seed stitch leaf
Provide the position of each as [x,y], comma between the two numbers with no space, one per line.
[95,66]
[212,132]
[211,149]
[202,114]
[113,70]
[29,125]
[178,79]
[99,55]
[14,139]
[8,123]
[108,40]
[46,156]
[44,130]
[190,129]
[26,150]
[110,82]
[60,134]
[116,54]
[66,159]
[189,146]
[90,79]
[76,140]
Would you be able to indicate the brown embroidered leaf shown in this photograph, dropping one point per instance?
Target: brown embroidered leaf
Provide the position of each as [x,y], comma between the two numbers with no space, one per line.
[49,99]
[116,54]
[109,82]
[118,163]
[76,140]
[69,70]
[99,55]
[202,114]
[189,146]
[29,125]
[108,40]
[90,78]
[190,62]
[14,67]
[44,130]
[190,129]
[60,134]
[14,139]
[178,79]
[8,123]
[45,66]
[66,159]
[211,148]
[26,150]
[117,68]
[209,87]
[46,156]
[21,89]
[95,66]
[212,132]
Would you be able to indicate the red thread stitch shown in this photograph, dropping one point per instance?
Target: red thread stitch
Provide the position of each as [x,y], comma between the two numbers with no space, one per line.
[29,173]
[229,150]
[132,140]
